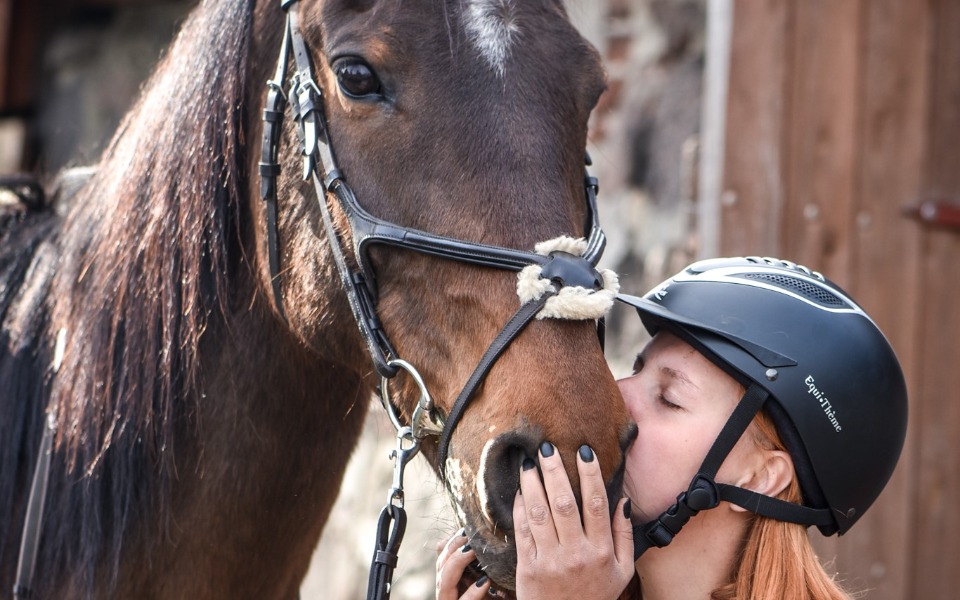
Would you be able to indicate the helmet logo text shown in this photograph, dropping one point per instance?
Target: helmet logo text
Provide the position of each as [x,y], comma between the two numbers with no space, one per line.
[814,391]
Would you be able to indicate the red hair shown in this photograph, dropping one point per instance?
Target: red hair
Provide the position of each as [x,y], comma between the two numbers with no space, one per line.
[777,559]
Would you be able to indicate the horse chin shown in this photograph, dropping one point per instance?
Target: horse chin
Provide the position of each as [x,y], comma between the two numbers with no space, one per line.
[498,561]
[495,550]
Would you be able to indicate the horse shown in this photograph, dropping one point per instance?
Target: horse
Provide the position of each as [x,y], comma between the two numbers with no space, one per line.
[202,406]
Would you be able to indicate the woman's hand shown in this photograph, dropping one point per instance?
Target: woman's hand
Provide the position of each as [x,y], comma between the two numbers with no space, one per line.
[454,556]
[557,557]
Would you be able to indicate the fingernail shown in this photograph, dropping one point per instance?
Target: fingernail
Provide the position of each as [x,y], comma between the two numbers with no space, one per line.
[492,592]
[546,449]
[466,548]
[528,464]
[482,581]
[586,453]
[626,509]
[462,532]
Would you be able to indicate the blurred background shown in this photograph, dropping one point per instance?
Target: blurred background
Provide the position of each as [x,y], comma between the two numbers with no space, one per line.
[823,131]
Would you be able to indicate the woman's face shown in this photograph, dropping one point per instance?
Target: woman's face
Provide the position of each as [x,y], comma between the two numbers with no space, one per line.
[680,402]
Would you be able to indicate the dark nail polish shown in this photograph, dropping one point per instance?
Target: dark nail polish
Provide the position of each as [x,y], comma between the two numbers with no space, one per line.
[466,548]
[586,454]
[462,532]
[626,509]
[482,581]
[546,449]
[528,464]
[492,592]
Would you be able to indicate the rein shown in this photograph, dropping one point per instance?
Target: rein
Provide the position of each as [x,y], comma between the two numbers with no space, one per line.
[36,501]
[558,280]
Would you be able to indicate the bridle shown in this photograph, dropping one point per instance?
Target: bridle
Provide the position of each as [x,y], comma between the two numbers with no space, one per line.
[555,270]
[320,165]
[556,267]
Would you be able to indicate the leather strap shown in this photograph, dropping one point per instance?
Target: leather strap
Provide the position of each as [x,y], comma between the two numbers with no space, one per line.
[270,167]
[361,304]
[776,508]
[33,522]
[390,529]
[506,336]
[37,500]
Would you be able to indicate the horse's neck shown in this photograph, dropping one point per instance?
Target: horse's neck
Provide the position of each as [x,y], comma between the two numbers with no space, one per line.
[277,429]
[274,430]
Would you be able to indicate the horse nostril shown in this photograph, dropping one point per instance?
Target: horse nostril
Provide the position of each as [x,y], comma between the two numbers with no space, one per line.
[500,477]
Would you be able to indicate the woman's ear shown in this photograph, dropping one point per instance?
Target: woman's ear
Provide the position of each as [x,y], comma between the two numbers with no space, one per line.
[771,476]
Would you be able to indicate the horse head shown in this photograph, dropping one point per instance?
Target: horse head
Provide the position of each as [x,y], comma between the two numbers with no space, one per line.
[466,120]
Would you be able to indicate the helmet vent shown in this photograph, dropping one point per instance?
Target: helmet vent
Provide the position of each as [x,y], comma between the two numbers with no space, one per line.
[808,290]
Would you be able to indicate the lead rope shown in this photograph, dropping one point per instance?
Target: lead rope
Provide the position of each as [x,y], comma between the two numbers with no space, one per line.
[393,520]
[36,502]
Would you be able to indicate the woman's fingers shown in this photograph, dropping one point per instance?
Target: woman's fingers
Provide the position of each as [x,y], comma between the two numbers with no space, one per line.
[596,508]
[457,541]
[563,504]
[536,506]
[523,536]
[623,533]
[452,561]
[478,590]
[557,556]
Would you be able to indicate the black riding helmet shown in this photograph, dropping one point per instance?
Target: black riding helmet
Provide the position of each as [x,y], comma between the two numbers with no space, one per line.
[812,357]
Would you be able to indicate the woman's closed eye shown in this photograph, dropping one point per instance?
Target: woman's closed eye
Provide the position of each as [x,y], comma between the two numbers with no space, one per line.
[663,401]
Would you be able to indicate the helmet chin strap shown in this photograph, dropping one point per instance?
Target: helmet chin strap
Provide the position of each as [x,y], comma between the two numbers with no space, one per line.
[705,493]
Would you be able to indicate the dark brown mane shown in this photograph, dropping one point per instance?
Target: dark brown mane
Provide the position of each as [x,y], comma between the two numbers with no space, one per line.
[153,239]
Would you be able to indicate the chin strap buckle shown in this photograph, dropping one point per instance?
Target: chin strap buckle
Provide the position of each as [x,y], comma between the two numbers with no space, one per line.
[701,495]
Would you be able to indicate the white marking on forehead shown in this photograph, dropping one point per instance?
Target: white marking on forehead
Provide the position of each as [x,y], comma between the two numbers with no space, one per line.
[482,480]
[492,26]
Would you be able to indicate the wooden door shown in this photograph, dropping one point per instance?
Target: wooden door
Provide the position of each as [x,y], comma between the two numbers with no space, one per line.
[842,116]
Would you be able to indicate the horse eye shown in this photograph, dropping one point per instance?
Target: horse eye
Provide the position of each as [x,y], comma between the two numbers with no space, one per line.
[356,78]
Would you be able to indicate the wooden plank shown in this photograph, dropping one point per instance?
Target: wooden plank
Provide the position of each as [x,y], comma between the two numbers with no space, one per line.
[821,135]
[937,417]
[890,152]
[818,147]
[753,163]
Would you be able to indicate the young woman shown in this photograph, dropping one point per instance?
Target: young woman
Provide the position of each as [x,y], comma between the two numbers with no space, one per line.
[768,400]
